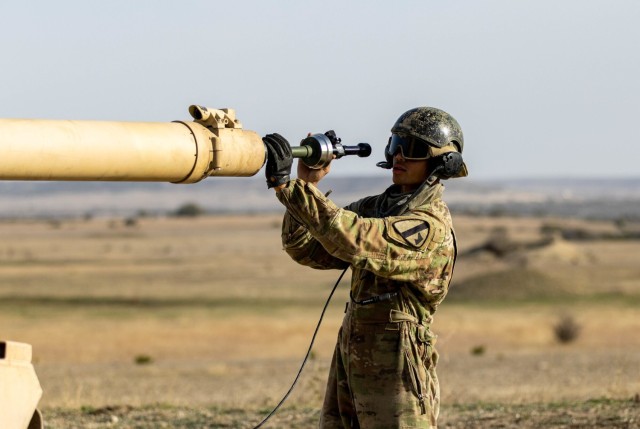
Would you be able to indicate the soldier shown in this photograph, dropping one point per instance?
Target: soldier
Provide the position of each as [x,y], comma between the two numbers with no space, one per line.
[401,248]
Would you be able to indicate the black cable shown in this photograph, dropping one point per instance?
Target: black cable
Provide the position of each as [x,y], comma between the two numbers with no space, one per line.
[304,361]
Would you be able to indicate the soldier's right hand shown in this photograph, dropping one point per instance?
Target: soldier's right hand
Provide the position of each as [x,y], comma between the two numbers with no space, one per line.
[312,175]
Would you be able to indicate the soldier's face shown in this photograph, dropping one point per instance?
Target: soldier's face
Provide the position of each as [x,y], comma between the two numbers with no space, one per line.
[409,175]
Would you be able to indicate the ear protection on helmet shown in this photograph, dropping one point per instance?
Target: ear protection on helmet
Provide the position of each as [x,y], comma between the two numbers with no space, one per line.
[446,166]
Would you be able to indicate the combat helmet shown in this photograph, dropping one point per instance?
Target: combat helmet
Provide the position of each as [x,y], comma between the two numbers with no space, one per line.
[433,133]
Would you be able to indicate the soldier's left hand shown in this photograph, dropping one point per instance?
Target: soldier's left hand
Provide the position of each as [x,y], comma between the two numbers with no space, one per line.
[279,160]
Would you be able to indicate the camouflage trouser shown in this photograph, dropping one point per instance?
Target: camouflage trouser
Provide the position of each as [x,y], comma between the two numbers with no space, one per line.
[382,376]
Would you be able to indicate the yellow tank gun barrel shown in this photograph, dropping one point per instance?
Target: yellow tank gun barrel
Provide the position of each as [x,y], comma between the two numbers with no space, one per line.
[214,144]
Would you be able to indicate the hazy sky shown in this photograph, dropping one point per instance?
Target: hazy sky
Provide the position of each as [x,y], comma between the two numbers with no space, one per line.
[541,88]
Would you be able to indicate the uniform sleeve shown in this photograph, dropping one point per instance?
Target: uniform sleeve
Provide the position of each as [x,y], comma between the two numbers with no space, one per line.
[408,248]
[303,248]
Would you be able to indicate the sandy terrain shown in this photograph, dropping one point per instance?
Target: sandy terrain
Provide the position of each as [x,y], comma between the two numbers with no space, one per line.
[210,313]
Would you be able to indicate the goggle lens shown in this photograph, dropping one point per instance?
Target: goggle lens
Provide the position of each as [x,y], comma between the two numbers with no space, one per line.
[412,149]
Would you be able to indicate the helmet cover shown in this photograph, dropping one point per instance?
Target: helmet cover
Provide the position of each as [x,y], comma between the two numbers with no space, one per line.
[432,125]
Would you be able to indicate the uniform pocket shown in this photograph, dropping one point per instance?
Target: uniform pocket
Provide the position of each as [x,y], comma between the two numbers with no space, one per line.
[426,341]
[415,367]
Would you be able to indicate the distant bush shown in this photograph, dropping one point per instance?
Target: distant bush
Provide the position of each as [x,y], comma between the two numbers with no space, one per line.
[131,222]
[143,359]
[55,223]
[478,350]
[567,329]
[629,228]
[550,229]
[189,210]
[499,243]
[497,211]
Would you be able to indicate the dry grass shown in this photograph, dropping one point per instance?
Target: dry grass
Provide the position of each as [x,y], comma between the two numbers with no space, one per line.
[225,316]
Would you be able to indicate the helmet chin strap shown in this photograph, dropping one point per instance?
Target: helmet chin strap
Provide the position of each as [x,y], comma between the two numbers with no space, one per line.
[434,177]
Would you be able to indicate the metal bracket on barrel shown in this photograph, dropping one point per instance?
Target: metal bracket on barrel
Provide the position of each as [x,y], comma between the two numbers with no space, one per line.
[214,118]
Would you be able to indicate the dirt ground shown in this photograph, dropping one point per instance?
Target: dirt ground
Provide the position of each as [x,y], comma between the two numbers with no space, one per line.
[171,322]
[589,414]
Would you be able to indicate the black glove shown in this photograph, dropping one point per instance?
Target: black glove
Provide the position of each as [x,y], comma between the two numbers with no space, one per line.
[279,160]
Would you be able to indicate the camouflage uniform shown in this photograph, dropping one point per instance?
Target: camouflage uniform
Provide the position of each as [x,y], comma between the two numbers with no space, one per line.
[383,369]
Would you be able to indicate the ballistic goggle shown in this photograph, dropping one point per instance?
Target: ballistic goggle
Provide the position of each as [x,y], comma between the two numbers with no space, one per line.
[411,148]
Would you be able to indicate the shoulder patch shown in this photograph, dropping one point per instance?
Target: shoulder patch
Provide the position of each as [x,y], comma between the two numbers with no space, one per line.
[413,231]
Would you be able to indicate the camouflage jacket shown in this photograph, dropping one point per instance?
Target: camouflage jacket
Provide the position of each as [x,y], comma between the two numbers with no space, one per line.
[409,254]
